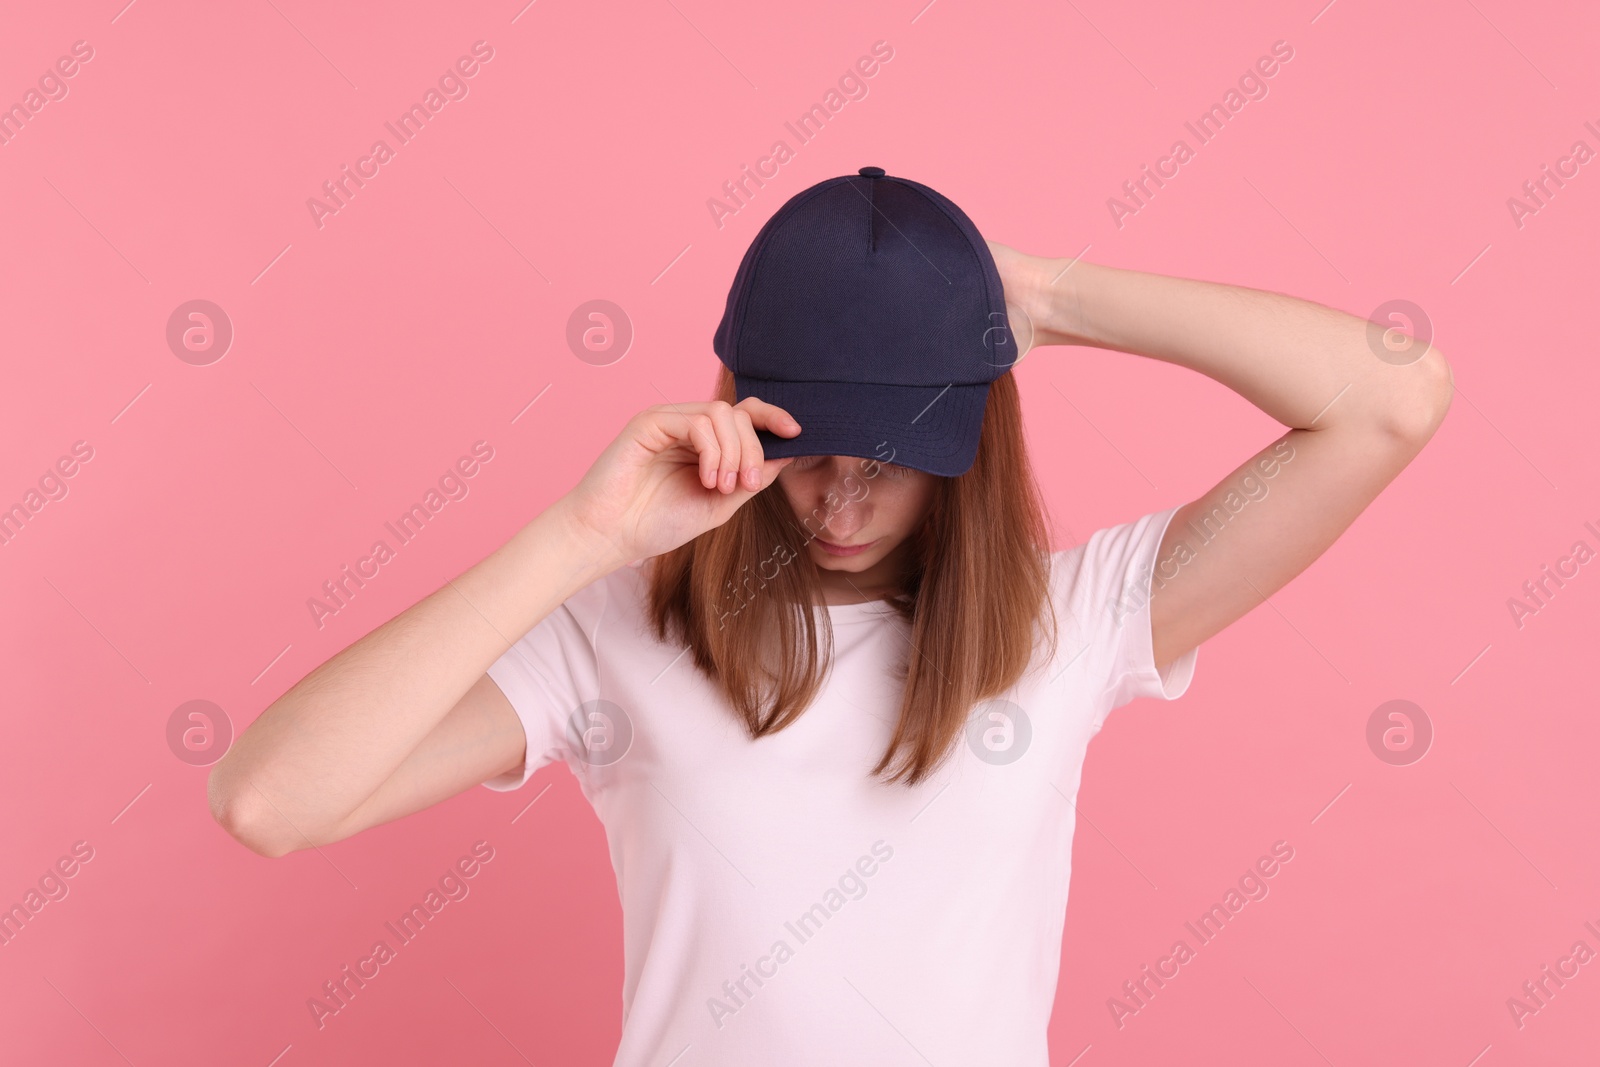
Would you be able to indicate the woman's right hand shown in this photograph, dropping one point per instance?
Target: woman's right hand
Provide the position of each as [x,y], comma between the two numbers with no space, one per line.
[676,471]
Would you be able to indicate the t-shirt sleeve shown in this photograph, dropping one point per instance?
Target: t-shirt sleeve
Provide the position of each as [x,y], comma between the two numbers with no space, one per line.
[1111,579]
[546,675]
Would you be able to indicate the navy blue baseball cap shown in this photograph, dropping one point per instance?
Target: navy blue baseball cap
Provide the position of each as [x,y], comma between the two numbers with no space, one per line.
[870,308]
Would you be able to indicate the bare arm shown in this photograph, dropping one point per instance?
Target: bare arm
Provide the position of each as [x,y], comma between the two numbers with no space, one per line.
[1355,422]
[407,716]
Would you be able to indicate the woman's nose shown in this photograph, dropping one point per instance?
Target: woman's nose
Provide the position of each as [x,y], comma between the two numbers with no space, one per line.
[842,477]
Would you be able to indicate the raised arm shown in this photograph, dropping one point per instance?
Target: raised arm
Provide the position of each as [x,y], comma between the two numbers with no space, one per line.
[1356,420]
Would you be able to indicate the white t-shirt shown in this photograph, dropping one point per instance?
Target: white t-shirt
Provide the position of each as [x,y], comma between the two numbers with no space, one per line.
[780,906]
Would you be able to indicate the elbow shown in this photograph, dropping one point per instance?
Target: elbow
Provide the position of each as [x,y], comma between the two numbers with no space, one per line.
[239,809]
[1420,401]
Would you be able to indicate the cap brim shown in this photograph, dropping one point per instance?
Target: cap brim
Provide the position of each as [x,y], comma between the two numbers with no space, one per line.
[929,428]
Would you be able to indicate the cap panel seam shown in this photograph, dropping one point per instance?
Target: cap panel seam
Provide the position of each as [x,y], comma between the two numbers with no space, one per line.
[936,198]
[872,216]
[771,228]
[963,224]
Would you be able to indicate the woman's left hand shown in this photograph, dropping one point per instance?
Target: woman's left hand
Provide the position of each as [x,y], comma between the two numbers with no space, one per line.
[1028,296]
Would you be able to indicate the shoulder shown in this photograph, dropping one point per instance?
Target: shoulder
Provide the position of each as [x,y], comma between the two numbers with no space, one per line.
[1111,565]
[623,594]
[614,600]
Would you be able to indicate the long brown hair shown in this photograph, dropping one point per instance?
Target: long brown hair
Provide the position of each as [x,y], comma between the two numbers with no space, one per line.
[977,598]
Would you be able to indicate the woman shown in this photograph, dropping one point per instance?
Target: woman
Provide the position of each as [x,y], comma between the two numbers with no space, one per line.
[831,701]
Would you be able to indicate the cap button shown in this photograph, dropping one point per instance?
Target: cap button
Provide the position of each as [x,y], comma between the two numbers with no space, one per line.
[871,172]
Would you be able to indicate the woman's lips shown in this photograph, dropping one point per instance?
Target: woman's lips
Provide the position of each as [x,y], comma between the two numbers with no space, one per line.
[844,550]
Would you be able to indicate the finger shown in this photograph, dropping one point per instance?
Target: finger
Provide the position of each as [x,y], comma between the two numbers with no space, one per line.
[771,468]
[765,415]
[770,416]
[711,430]
[750,453]
[703,438]
[728,444]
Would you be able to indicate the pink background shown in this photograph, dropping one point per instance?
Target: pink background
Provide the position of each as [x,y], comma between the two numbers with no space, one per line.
[426,315]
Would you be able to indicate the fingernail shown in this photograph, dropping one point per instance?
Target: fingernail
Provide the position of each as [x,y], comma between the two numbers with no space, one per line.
[728,480]
[752,477]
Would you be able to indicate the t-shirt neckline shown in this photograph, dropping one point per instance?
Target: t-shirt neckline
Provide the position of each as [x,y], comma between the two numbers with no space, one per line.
[862,611]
